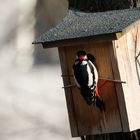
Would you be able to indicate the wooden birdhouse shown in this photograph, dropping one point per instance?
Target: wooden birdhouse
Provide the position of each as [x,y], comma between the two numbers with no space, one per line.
[114,39]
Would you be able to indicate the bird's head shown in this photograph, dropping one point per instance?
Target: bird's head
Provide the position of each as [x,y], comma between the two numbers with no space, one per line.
[81,55]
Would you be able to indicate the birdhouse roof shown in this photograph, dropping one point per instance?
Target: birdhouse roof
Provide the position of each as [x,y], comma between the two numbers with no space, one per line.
[80,25]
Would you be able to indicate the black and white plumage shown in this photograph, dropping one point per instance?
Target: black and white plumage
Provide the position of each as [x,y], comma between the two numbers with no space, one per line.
[86,78]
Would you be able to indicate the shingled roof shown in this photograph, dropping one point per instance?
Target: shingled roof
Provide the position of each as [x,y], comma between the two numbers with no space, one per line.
[79,25]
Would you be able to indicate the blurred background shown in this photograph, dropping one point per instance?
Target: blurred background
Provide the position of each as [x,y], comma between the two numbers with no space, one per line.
[32,102]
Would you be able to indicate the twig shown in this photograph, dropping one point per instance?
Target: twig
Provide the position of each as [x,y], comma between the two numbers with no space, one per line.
[137,56]
[106,80]
[69,86]
[100,78]
[112,80]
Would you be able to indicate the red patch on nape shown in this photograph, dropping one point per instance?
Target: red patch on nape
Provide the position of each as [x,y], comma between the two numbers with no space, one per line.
[82,58]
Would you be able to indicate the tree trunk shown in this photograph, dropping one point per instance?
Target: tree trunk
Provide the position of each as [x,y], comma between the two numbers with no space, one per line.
[102,5]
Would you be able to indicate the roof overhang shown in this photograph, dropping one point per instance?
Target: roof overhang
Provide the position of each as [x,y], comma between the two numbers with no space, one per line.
[79,27]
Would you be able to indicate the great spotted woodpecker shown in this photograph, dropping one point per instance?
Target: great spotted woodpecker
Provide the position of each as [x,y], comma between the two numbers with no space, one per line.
[86,79]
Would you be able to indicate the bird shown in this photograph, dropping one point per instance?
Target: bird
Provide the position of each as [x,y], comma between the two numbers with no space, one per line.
[86,78]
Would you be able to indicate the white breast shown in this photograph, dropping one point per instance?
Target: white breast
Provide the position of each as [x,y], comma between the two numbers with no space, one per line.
[84,63]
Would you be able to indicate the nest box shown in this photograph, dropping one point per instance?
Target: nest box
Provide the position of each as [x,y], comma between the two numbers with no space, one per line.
[114,39]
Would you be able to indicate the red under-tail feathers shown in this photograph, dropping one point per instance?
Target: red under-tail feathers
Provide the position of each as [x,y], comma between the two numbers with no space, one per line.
[99,101]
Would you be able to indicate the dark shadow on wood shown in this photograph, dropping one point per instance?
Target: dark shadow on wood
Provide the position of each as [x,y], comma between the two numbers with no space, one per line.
[137,62]
[135,135]
[102,5]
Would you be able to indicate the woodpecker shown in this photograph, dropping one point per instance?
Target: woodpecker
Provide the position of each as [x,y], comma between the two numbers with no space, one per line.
[86,79]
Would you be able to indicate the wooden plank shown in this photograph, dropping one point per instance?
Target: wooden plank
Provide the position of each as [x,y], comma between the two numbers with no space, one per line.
[119,35]
[89,119]
[68,93]
[119,89]
[126,49]
[80,41]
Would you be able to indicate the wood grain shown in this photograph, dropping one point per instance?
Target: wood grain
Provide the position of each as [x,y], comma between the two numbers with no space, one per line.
[116,60]
[120,93]
[127,48]
[68,92]
[89,119]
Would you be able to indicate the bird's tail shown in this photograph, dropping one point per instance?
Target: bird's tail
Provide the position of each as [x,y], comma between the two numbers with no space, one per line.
[99,101]
[87,96]
[93,99]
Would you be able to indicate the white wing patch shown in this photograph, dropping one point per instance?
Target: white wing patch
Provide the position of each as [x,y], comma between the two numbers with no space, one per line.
[95,72]
[90,76]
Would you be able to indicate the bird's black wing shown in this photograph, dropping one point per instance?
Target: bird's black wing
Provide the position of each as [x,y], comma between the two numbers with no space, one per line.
[80,74]
[92,59]
[81,77]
